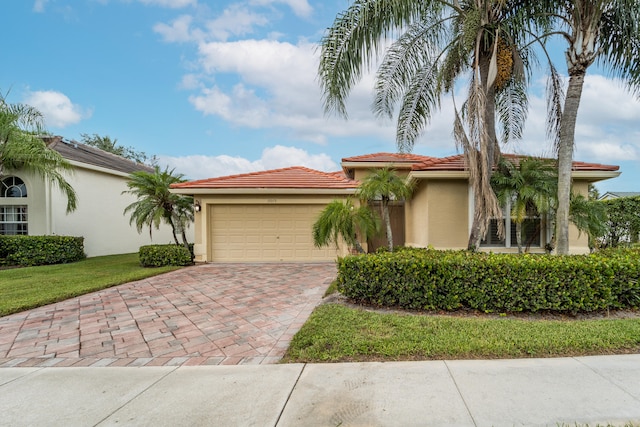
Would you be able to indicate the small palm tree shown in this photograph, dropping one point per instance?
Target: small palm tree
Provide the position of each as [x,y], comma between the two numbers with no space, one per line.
[384,185]
[589,216]
[529,184]
[22,148]
[341,220]
[156,204]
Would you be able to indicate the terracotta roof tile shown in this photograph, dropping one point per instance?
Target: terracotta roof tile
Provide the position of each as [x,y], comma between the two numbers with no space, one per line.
[293,177]
[457,163]
[389,158]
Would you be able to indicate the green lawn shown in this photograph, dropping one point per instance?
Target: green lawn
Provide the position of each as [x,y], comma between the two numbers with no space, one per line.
[24,288]
[335,333]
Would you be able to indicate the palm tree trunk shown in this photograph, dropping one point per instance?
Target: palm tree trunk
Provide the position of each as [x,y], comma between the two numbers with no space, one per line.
[565,159]
[173,230]
[387,220]
[485,203]
[519,236]
[185,243]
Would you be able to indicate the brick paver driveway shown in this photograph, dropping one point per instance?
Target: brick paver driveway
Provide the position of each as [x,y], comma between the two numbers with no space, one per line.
[206,314]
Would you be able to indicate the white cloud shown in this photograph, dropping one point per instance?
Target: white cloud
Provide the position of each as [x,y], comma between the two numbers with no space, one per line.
[278,89]
[607,128]
[236,20]
[172,4]
[200,166]
[178,31]
[299,7]
[57,108]
[38,5]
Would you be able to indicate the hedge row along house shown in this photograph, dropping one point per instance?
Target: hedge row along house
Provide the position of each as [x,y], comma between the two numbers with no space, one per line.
[268,216]
[30,205]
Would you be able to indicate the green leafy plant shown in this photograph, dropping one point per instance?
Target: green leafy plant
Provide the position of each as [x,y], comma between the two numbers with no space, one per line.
[164,255]
[451,280]
[40,250]
[342,220]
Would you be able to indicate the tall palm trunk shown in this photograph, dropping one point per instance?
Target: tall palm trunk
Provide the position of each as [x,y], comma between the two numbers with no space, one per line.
[173,229]
[386,217]
[519,236]
[485,203]
[565,159]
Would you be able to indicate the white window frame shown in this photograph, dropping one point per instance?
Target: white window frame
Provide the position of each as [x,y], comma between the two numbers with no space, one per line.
[14,210]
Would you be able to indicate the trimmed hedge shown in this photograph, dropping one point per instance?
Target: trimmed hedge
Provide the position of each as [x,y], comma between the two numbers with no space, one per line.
[163,255]
[40,250]
[450,280]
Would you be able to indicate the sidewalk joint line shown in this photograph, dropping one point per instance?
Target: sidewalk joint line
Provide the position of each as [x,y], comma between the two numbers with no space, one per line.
[135,397]
[601,375]
[460,393]
[289,395]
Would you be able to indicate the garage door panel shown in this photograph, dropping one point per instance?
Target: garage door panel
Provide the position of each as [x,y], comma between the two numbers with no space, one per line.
[265,233]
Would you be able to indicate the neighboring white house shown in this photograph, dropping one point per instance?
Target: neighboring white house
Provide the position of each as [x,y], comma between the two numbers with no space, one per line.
[31,206]
[610,195]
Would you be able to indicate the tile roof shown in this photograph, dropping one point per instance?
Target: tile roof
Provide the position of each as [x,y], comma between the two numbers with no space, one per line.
[293,177]
[457,163]
[389,158]
[93,156]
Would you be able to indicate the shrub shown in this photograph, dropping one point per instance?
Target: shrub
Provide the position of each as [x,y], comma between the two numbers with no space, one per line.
[449,280]
[40,250]
[163,255]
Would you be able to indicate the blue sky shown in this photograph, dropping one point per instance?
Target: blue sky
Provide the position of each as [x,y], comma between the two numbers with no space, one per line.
[216,87]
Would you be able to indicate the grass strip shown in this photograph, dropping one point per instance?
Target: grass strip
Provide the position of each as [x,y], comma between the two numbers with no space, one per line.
[335,333]
[30,287]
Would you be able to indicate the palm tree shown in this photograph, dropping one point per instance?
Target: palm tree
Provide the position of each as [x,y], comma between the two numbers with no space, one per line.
[589,216]
[22,148]
[438,42]
[384,185]
[604,30]
[529,184]
[341,220]
[156,204]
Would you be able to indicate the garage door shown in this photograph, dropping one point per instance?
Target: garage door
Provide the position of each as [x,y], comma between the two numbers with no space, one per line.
[265,233]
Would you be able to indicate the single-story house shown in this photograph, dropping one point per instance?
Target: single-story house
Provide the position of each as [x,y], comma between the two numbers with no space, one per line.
[268,216]
[31,206]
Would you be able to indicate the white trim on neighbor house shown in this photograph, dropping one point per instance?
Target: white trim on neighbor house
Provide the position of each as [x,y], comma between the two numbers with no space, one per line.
[98,168]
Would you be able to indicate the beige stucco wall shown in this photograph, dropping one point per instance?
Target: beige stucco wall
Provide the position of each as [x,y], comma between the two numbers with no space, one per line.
[361,173]
[578,242]
[203,228]
[99,217]
[438,214]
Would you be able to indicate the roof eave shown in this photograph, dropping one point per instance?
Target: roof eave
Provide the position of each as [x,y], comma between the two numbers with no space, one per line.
[594,176]
[376,164]
[206,191]
[92,167]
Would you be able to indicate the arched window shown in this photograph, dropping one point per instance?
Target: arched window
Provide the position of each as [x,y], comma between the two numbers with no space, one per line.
[12,186]
[14,218]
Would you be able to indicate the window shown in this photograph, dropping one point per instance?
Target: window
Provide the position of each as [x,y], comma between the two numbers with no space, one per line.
[13,217]
[531,231]
[12,186]
[13,220]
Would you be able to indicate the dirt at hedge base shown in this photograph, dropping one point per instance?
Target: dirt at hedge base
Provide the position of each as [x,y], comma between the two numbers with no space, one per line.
[336,298]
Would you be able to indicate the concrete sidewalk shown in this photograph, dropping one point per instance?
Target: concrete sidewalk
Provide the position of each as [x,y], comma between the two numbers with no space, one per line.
[531,392]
